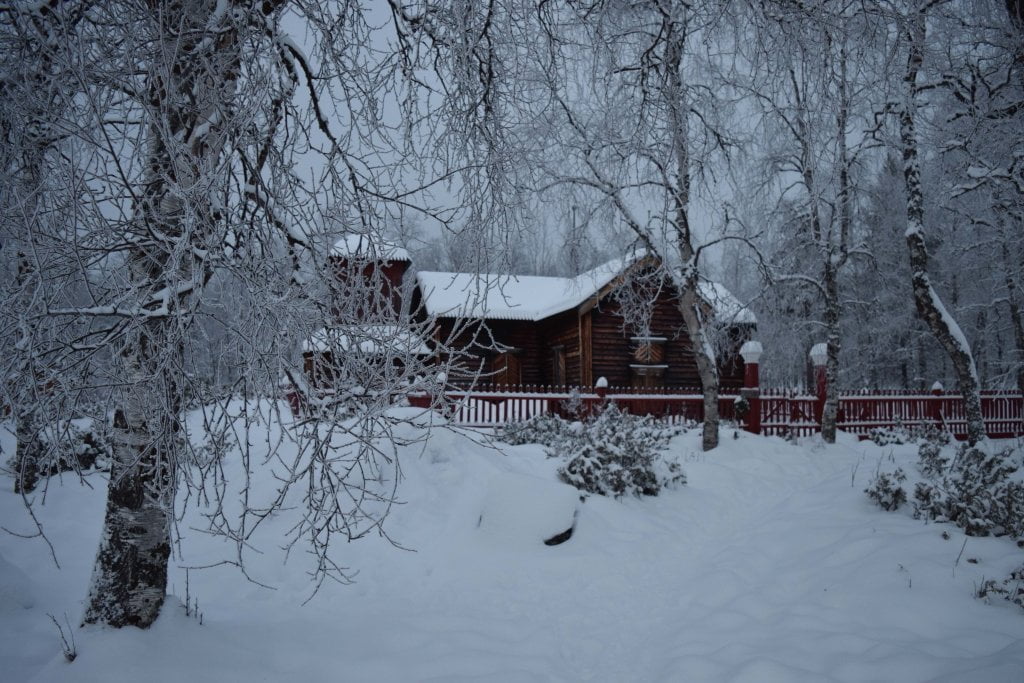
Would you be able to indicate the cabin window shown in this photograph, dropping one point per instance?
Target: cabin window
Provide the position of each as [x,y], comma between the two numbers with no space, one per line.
[644,375]
[648,350]
[507,368]
[558,365]
[648,366]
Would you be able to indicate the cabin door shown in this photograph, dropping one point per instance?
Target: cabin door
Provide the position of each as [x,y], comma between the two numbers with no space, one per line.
[507,369]
[558,365]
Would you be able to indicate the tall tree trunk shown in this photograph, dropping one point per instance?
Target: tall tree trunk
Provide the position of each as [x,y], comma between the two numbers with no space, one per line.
[129,580]
[929,305]
[691,304]
[830,413]
[30,450]
[30,447]
[834,263]
[191,86]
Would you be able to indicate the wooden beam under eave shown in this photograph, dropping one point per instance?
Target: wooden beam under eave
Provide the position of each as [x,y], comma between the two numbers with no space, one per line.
[586,348]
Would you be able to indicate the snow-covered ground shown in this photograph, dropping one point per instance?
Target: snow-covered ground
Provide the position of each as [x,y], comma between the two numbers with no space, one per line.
[770,565]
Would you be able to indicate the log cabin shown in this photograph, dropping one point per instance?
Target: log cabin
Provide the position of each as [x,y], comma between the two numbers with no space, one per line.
[525,330]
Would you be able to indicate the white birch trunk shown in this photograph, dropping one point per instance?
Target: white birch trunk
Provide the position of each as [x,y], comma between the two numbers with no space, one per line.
[690,303]
[929,304]
[190,87]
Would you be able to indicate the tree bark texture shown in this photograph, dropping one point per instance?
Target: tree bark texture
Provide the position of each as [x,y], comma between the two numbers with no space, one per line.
[190,89]
[690,303]
[130,576]
[830,413]
[929,304]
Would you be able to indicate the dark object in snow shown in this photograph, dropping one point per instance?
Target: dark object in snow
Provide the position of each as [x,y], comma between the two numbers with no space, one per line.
[561,538]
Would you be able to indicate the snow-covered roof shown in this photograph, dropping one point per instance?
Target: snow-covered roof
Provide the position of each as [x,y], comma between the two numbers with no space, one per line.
[533,297]
[514,297]
[369,339]
[369,246]
[726,306]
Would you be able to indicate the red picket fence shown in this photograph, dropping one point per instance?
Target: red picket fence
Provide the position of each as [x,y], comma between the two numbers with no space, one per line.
[860,412]
[785,413]
[782,412]
[492,406]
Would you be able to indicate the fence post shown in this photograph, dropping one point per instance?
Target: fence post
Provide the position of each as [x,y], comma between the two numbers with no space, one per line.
[751,391]
[293,395]
[819,356]
[936,404]
[601,389]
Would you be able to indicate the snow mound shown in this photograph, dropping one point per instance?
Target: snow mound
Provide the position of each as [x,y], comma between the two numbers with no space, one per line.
[15,587]
[523,511]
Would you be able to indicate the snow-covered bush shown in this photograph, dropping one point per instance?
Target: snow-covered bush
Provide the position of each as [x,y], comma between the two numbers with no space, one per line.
[610,452]
[900,434]
[890,436]
[741,408]
[617,454]
[573,407]
[976,493]
[1010,589]
[885,489]
[548,430]
[72,446]
[930,459]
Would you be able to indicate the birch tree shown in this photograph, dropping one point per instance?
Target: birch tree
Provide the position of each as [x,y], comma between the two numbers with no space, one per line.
[641,122]
[33,91]
[913,26]
[982,146]
[812,74]
[199,144]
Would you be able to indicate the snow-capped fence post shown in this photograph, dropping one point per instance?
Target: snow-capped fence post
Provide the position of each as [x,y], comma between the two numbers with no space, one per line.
[751,392]
[293,395]
[819,357]
[936,404]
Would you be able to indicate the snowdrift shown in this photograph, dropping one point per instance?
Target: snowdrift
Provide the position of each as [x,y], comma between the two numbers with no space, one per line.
[770,565]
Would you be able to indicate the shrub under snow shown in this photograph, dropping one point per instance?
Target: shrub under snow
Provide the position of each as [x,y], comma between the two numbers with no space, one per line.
[900,434]
[974,491]
[1010,589]
[619,454]
[611,453]
[547,430]
[885,489]
[72,446]
[969,486]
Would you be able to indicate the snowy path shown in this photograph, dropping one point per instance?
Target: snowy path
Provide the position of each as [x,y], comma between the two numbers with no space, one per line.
[768,566]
